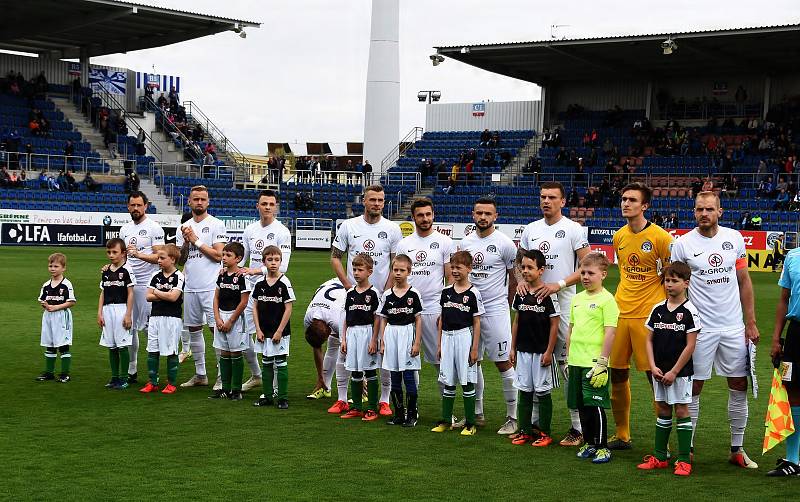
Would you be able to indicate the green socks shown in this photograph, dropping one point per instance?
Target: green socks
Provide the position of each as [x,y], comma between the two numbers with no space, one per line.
[113,359]
[545,413]
[237,372]
[124,361]
[152,367]
[663,428]
[268,368]
[684,439]
[282,369]
[373,389]
[469,404]
[524,411]
[448,401]
[66,362]
[50,362]
[357,391]
[225,370]
[172,369]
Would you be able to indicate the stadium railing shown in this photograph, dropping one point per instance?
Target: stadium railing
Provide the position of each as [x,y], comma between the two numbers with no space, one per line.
[408,142]
[224,145]
[326,177]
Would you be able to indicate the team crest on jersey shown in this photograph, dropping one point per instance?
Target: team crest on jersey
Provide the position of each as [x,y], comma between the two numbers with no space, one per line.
[679,316]
[120,275]
[142,232]
[491,248]
[366,298]
[410,301]
[369,245]
[206,230]
[647,246]
[382,235]
[270,236]
[727,246]
[280,290]
[633,259]
[477,259]
[434,245]
[544,247]
[715,260]
[561,234]
[422,256]
[466,299]
[259,245]
[592,305]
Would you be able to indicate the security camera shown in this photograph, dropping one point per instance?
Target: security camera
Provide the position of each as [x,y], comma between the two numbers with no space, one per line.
[669,46]
[422,97]
[436,59]
[465,50]
[436,95]
[243,34]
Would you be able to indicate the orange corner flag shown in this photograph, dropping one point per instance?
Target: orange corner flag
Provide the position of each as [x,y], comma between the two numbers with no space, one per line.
[779,424]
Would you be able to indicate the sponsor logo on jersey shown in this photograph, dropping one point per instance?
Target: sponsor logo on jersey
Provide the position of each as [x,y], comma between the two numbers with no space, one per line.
[367,298]
[715,260]
[671,326]
[633,260]
[120,275]
[561,234]
[531,308]
[133,240]
[466,299]
[458,306]
[259,245]
[382,235]
[478,258]
[434,245]
[422,256]
[727,246]
[647,246]
[369,245]
[544,246]
[592,305]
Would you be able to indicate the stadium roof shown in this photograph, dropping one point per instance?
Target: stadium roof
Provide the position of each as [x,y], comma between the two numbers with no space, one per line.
[60,28]
[764,49]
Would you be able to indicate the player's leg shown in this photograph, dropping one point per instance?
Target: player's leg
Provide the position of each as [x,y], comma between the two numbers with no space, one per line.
[430,343]
[447,380]
[329,365]
[226,371]
[356,387]
[373,389]
[237,373]
[250,353]
[702,362]
[153,326]
[793,441]
[524,385]
[497,341]
[544,379]
[168,343]
[268,372]
[107,341]
[397,398]
[619,371]
[282,375]
[50,356]
[186,340]
[193,318]
[684,429]
[412,414]
[66,363]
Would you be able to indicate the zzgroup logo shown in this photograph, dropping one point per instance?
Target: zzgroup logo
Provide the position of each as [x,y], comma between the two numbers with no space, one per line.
[422,256]
[633,260]
[478,258]
[544,247]
[715,260]
[369,245]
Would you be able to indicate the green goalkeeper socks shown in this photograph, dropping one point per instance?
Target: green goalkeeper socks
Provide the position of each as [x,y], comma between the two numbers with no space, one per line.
[152,367]
[545,413]
[663,428]
[448,402]
[172,369]
[525,410]
[113,359]
[684,439]
[225,370]
[237,372]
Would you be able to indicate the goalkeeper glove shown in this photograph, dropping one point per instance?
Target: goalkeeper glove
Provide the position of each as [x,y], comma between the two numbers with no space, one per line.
[598,375]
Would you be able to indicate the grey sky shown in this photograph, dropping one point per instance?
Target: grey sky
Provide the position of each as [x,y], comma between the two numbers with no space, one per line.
[302,75]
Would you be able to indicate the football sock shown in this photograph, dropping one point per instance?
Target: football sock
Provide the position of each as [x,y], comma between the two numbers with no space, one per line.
[198,345]
[275,378]
[152,367]
[545,413]
[66,359]
[793,441]
[663,428]
[342,379]
[113,359]
[509,392]
[588,424]
[185,340]
[479,392]
[356,387]
[50,360]
[329,362]
[133,352]
[601,426]
[535,410]
[225,369]
[124,361]
[469,404]
[396,378]
[410,379]
[397,393]
[737,416]
[268,372]
[448,401]
[373,389]
[237,372]
[621,407]
[575,418]
[441,385]
[386,385]
[412,404]
[525,401]
[172,368]
[217,357]
[252,362]
[694,413]
[684,439]
[282,370]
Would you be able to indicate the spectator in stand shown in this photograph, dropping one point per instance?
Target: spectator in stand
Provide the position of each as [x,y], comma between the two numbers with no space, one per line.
[744,223]
[69,152]
[708,185]
[795,204]
[657,219]
[43,179]
[782,200]
[140,138]
[608,146]
[71,184]
[350,169]
[548,138]
[5,179]
[208,159]
[211,149]
[494,142]
[580,173]
[755,222]
[593,198]
[561,156]
[33,127]
[671,221]
[486,136]
[594,137]
[468,169]
[174,100]
[764,188]
[162,102]
[132,182]
[574,198]
[89,184]
[368,173]
[197,133]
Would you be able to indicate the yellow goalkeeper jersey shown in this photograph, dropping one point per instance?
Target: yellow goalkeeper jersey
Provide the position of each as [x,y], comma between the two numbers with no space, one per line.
[641,257]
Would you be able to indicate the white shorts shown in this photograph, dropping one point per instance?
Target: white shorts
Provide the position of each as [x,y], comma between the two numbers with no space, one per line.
[560,350]
[198,308]
[397,343]
[725,351]
[235,340]
[680,392]
[454,368]
[56,328]
[113,334]
[532,376]
[249,323]
[141,309]
[163,335]
[430,337]
[269,349]
[495,337]
[358,357]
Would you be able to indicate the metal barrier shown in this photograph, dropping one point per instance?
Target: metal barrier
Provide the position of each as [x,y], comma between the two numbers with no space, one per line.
[403,177]
[214,133]
[391,158]
[158,170]
[327,177]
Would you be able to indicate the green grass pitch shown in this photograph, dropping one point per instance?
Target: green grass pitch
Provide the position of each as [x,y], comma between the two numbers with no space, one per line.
[80,441]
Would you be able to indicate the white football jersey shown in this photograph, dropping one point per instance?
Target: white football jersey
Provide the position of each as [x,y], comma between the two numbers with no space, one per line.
[559,244]
[713,288]
[428,256]
[378,240]
[327,305]
[492,258]
[200,271]
[144,236]
[256,237]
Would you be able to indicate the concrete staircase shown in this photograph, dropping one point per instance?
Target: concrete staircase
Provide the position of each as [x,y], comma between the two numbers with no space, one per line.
[160,200]
[404,211]
[82,125]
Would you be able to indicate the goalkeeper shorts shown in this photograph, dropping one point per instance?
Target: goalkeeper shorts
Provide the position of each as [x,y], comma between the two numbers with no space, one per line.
[581,393]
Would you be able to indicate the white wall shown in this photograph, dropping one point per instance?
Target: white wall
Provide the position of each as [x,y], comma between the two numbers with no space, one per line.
[499,116]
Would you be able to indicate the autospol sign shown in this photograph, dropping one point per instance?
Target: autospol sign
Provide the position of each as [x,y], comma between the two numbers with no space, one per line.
[26,234]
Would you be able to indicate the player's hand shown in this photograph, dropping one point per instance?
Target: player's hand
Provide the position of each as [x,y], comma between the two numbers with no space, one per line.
[668,378]
[522,288]
[414,350]
[373,347]
[473,356]
[512,357]
[657,373]
[188,234]
[43,304]
[132,251]
[250,271]
[776,351]
[227,326]
[751,332]
[100,321]
[382,347]
[343,347]
[546,290]
[260,336]
[439,352]
[565,370]
[276,338]
[218,322]
[105,267]
[127,322]
[49,308]
[547,359]
[598,375]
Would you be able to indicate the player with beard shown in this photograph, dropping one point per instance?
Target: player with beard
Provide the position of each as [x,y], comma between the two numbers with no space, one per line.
[201,240]
[143,238]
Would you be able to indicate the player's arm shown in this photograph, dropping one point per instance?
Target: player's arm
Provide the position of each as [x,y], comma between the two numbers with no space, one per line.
[172,295]
[343,338]
[417,335]
[381,329]
[184,253]
[259,333]
[100,320]
[61,306]
[217,317]
[609,332]
[151,295]
[439,337]
[127,321]
[388,283]
[373,343]
[338,267]
[691,341]
[213,252]
[148,257]
[547,357]
[287,314]
[651,358]
[512,284]
[780,322]
[512,354]
[476,339]
[448,274]
[240,308]
[522,286]
[285,245]
[746,297]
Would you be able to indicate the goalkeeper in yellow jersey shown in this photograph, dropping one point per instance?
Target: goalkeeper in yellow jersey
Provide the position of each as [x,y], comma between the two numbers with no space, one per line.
[643,249]
[592,325]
